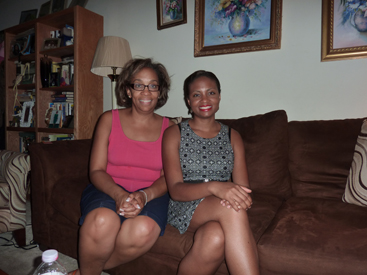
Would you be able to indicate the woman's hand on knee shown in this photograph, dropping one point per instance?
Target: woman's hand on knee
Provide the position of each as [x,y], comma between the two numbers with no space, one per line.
[234,196]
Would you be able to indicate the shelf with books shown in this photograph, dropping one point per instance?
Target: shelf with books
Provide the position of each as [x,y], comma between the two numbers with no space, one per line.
[87,87]
[69,88]
[21,129]
[59,52]
[56,130]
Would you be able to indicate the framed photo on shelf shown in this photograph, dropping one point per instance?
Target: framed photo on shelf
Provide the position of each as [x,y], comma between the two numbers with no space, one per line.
[27,114]
[51,43]
[28,15]
[45,9]
[171,13]
[81,3]
[344,30]
[224,28]
[58,5]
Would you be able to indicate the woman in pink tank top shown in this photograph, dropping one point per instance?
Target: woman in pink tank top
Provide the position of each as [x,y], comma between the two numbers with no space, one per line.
[124,209]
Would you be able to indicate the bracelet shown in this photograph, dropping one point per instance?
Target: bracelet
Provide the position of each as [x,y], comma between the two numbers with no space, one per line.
[146,197]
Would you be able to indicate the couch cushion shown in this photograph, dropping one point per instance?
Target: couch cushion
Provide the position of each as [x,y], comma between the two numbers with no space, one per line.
[315,236]
[66,196]
[266,144]
[320,154]
[356,187]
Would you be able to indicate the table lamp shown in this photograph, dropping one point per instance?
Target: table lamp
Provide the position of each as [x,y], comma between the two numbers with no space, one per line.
[111,55]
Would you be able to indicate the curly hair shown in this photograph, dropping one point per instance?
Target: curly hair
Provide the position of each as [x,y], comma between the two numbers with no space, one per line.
[191,78]
[133,67]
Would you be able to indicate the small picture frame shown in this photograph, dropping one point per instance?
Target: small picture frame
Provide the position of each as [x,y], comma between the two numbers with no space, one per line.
[171,13]
[51,43]
[45,9]
[27,114]
[28,15]
[81,3]
[58,5]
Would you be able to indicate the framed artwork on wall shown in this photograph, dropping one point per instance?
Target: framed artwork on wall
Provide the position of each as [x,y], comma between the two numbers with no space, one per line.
[344,29]
[171,13]
[81,3]
[58,5]
[28,15]
[224,27]
[45,9]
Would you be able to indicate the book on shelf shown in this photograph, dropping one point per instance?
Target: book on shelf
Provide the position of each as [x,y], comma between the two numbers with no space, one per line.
[26,138]
[67,93]
[55,137]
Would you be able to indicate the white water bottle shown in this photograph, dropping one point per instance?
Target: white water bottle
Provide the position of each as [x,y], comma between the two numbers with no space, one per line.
[50,265]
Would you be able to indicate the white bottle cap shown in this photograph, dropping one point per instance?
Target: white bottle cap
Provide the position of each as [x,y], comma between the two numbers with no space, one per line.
[50,255]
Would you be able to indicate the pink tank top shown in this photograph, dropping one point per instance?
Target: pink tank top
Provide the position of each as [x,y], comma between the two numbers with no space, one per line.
[133,164]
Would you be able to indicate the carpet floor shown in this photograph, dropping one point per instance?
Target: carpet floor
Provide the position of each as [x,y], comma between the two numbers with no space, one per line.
[24,261]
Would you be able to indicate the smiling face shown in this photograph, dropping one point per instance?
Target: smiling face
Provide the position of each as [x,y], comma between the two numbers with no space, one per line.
[145,100]
[204,97]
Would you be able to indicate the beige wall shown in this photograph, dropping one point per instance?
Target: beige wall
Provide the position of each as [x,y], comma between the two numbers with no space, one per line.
[292,78]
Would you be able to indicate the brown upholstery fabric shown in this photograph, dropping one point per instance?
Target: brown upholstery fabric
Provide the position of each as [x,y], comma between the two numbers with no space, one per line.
[59,170]
[320,155]
[266,145]
[315,236]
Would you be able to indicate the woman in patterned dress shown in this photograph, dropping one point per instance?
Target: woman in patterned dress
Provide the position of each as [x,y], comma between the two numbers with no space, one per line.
[205,169]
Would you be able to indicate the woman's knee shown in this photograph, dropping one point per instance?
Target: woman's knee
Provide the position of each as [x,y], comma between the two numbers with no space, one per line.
[142,230]
[100,221]
[210,240]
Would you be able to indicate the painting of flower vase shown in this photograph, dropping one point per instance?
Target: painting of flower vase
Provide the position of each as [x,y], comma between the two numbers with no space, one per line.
[230,22]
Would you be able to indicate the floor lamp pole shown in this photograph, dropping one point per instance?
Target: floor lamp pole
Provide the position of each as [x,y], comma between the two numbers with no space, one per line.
[113,78]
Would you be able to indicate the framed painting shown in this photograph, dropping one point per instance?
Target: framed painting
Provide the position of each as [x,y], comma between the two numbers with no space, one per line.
[171,13]
[58,5]
[81,3]
[28,15]
[224,26]
[344,29]
[45,9]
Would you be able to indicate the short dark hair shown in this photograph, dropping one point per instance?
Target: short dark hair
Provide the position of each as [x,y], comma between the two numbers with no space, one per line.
[133,67]
[191,78]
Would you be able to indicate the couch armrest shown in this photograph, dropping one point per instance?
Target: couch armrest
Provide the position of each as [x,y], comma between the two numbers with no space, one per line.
[14,171]
[52,165]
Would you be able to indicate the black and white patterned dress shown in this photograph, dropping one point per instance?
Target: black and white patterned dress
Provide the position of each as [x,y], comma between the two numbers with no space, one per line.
[202,159]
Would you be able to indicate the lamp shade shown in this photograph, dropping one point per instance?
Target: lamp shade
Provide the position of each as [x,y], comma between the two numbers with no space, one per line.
[112,51]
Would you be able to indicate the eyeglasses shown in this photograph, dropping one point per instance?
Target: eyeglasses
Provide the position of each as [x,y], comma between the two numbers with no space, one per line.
[141,87]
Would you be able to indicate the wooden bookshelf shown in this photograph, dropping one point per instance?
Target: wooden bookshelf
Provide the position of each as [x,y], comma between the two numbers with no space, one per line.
[87,87]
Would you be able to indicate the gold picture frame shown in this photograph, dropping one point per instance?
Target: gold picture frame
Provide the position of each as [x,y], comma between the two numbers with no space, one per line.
[266,36]
[171,16]
[341,38]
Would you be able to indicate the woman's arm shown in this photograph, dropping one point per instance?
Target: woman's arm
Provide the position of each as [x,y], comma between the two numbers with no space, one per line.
[98,162]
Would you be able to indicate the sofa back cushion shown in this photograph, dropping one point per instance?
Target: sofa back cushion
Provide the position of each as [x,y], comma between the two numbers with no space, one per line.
[266,147]
[320,155]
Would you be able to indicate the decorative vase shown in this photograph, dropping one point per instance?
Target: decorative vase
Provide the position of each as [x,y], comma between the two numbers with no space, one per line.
[359,21]
[173,14]
[239,24]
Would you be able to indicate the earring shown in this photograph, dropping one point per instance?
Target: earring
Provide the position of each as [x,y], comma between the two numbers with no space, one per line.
[129,96]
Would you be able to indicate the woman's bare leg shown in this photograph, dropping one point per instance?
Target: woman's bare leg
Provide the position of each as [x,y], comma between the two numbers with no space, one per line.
[207,252]
[105,243]
[134,239]
[97,240]
[240,247]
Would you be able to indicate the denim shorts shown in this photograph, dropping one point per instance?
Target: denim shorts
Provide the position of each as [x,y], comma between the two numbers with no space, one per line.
[92,198]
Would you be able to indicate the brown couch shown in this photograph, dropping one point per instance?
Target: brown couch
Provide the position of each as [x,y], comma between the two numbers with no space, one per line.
[297,171]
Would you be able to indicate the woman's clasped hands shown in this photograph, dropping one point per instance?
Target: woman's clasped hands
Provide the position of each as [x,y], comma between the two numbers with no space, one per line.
[130,205]
[235,196]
